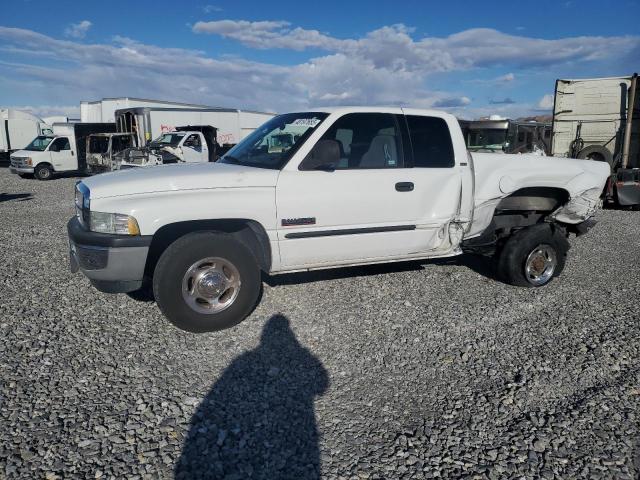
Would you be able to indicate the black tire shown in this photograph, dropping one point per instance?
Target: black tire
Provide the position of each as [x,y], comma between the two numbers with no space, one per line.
[512,258]
[597,153]
[43,172]
[176,260]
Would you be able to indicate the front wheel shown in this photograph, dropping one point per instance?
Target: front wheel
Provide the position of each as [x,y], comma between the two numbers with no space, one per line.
[533,256]
[206,281]
[43,172]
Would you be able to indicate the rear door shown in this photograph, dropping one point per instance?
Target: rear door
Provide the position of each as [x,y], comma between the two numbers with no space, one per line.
[377,204]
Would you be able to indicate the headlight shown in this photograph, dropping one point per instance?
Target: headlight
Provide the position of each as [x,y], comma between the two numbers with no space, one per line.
[113,223]
[27,161]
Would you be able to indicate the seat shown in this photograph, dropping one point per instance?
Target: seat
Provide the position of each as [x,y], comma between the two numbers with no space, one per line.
[382,153]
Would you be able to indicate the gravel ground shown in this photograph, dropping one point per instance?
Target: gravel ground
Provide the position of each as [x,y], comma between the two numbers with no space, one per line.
[423,370]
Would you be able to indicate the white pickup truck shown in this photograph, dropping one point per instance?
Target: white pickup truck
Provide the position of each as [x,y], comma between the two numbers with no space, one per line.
[356,186]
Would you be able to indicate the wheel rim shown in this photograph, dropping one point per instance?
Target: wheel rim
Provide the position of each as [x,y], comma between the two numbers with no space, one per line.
[540,265]
[44,173]
[211,285]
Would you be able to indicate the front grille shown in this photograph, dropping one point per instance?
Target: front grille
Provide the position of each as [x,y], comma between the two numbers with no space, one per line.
[17,162]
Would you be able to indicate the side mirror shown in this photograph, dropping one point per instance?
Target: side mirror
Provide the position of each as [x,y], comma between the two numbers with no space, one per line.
[325,155]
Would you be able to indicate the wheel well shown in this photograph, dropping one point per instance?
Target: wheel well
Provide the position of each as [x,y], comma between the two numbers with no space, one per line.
[534,199]
[523,208]
[249,232]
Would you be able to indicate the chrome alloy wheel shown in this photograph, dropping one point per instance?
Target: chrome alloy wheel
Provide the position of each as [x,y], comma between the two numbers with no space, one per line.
[211,285]
[540,265]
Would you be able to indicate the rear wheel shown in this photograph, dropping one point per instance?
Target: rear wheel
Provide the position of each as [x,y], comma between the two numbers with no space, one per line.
[206,281]
[533,257]
[43,172]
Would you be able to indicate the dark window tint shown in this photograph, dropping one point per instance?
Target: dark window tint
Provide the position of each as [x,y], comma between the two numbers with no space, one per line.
[367,140]
[431,141]
[61,144]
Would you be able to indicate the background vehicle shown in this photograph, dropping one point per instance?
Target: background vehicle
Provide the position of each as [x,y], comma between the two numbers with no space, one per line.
[188,144]
[356,186]
[593,118]
[106,151]
[18,129]
[508,136]
[63,151]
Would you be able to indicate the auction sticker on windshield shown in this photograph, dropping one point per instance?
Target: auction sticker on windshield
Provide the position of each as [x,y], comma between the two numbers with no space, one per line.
[307,122]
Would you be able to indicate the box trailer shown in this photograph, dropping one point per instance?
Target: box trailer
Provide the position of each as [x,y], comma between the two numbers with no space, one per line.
[599,119]
[18,129]
[148,123]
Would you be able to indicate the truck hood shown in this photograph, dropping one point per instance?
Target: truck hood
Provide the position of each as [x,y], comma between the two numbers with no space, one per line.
[165,178]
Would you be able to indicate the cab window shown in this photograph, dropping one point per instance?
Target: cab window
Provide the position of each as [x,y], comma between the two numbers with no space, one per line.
[367,141]
[431,142]
[60,144]
[193,141]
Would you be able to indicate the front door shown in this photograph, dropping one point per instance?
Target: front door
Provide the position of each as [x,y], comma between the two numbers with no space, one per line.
[194,150]
[375,205]
[62,156]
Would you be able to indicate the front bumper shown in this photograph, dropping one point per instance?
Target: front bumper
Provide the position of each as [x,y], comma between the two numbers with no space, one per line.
[21,169]
[113,263]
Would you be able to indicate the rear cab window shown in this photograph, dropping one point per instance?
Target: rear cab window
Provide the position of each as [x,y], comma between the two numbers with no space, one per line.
[431,143]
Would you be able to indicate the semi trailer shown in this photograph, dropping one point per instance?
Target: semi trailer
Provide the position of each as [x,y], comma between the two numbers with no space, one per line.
[599,119]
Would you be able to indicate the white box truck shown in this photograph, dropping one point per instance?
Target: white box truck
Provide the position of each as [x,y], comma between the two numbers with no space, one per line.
[18,129]
[64,150]
[593,119]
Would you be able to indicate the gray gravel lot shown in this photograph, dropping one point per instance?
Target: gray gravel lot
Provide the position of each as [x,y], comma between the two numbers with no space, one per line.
[423,370]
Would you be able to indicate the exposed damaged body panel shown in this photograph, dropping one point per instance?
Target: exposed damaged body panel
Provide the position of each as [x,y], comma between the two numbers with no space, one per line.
[574,186]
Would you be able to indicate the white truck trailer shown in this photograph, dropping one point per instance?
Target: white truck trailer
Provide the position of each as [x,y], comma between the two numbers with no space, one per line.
[18,129]
[593,119]
[149,123]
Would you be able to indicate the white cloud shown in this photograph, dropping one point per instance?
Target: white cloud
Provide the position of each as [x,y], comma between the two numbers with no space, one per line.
[450,102]
[386,66]
[78,30]
[71,111]
[394,47]
[211,8]
[546,102]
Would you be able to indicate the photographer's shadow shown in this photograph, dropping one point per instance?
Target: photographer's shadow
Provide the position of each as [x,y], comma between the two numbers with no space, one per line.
[258,419]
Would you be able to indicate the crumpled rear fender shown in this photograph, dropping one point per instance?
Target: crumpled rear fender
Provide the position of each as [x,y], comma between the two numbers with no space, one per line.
[583,204]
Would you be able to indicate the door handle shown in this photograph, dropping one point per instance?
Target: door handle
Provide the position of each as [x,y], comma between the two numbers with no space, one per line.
[404,186]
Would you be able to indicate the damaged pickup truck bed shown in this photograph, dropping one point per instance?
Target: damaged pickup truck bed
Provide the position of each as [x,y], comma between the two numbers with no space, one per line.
[353,186]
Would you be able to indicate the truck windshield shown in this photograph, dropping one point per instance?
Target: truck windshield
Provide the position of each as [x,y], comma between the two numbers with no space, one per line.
[98,144]
[272,144]
[487,138]
[168,140]
[39,144]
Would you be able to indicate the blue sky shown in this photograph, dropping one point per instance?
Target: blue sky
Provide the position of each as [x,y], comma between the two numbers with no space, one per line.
[471,58]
